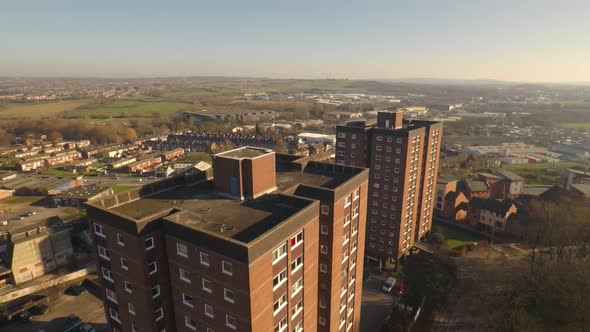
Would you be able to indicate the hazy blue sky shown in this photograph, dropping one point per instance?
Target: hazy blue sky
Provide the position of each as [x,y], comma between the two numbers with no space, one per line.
[524,40]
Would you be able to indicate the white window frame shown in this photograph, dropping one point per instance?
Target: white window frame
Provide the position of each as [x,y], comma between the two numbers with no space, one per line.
[179,246]
[190,323]
[152,244]
[282,302]
[281,280]
[356,194]
[347,201]
[103,252]
[111,295]
[297,242]
[297,287]
[120,240]
[128,289]
[347,219]
[325,209]
[124,264]
[108,275]
[131,308]
[324,229]
[114,314]
[323,268]
[208,314]
[204,258]
[99,230]
[324,249]
[224,268]
[155,268]
[205,288]
[297,309]
[277,252]
[227,298]
[187,303]
[229,323]
[159,314]
[157,288]
[298,264]
[185,279]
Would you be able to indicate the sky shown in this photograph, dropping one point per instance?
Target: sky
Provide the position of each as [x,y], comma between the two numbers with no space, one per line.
[516,40]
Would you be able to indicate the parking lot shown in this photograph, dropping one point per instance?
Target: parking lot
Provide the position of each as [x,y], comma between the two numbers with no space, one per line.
[376,304]
[87,306]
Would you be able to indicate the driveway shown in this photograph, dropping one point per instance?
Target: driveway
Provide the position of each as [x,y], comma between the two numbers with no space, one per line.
[376,305]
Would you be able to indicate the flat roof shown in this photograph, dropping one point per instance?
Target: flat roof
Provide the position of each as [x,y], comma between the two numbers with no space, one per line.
[245,152]
[510,175]
[83,192]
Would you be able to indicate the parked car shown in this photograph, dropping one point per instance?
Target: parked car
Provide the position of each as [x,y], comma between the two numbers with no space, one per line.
[399,289]
[87,328]
[23,316]
[73,319]
[39,309]
[388,284]
[75,290]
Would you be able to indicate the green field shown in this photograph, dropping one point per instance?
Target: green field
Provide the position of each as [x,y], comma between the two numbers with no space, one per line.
[38,110]
[575,125]
[121,188]
[454,238]
[126,109]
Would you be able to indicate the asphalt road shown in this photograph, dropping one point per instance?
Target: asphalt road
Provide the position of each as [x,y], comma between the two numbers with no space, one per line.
[86,306]
[376,305]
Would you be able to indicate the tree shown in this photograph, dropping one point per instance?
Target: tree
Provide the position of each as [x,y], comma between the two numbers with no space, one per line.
[281,146]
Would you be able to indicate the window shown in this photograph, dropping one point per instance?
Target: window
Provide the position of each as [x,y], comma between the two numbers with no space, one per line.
[296,287]
[347,201]
[181,250]
[99,230]
[322,303]
[120,240]
[230,322]
[341,135]
[379,138]
[279,279]
[353,136]
[228,295]
[324,229]
[152,268]
[279,253]
[296,240]
[355,229]
[354,246]
[206,285]
[107,275]
[282,325]
[128,287]
[131,308]
[298,327]
[209,310]
[323,249]
[110,295]
[346,220]
[296,264]
[184,276]
[325,209]
[188,322]
[227,268]
[124,264]
[159,314]
[297,309]
[204,258]
[187,299]
[280,304]
[149,243]
[323,268]
[356,194]
[102,252]
[322,320]
[114,315]
[155,291]
[345,238]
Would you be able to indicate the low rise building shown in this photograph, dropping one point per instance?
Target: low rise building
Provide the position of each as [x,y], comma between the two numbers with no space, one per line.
[475,188]
[514,183]
[41,185]
[492,214]
[173,154]
[120,163]
[147,164]
[78,196]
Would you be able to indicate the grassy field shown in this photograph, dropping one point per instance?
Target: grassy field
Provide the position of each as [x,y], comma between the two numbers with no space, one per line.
[126,109]
[18,202]
[121,188]
[453,238]
[39,110]
[575,125]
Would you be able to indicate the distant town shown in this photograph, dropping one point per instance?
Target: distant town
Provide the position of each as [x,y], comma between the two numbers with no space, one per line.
[385,205]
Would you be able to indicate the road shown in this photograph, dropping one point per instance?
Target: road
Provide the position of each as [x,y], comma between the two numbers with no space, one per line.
[376,305]
[86,306]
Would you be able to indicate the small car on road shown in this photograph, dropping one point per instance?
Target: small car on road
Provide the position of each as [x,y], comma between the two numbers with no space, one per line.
[399,289]
[75,290]
[388,284]
[23,316]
